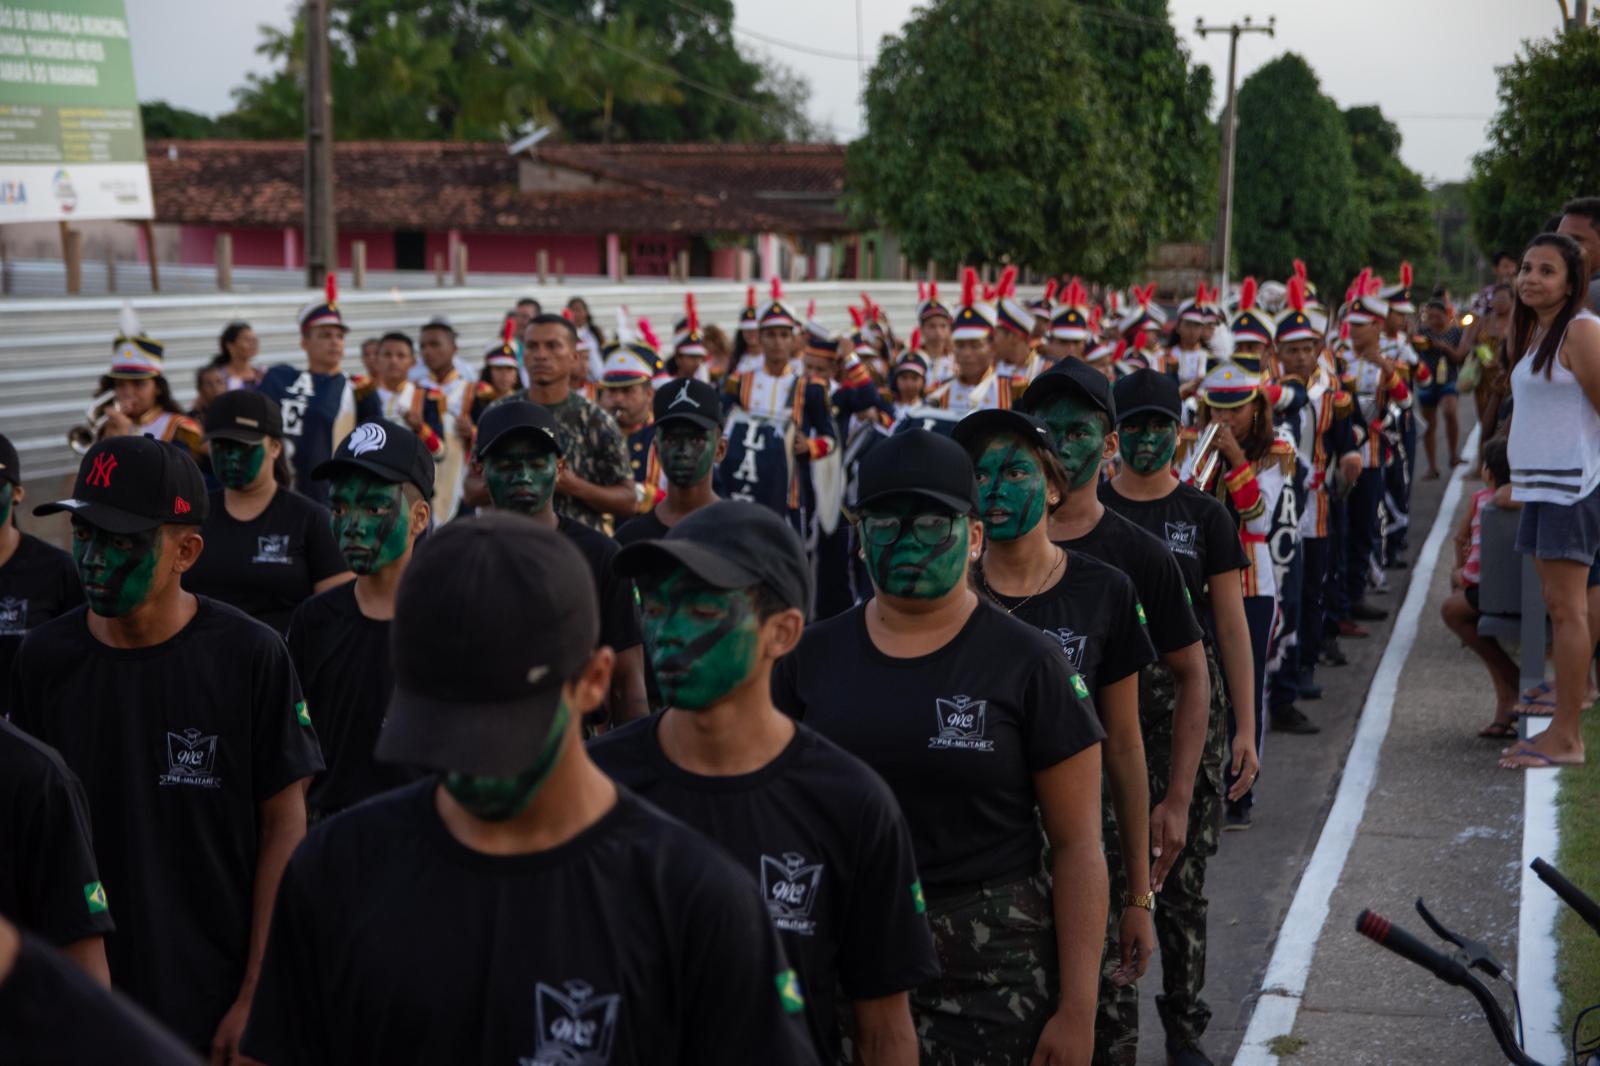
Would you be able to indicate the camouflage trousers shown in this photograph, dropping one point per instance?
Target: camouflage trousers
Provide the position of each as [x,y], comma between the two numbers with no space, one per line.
[1180,914]
[999,978]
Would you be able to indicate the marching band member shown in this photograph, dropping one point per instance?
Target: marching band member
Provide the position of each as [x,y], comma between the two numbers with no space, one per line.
[936,322]
[747,345]
[319,403]
[448,377]
[688,359]
[1397,346]
[1012,339]
[394,397]
[143,405]
[976,385]
[1187,358]
[626,392]
[1070,328]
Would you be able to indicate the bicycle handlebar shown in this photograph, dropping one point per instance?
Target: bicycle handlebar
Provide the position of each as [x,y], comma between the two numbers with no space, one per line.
[1571,894]
[1381,931]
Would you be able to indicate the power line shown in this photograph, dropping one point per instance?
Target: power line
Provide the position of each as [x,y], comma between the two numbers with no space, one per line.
[765,38]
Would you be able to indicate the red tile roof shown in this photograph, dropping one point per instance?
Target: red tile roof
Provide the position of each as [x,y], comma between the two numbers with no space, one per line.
[394,185]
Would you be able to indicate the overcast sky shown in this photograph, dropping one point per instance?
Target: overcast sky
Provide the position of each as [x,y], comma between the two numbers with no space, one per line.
[1428,63]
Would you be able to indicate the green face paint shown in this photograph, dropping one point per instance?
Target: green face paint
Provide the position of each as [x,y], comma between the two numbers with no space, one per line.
[497,799]
[686,452]
[1078,429]
[914,548]
[236,463]
[371,521]
[117,569]
[521,475]
[1147,442]
[5,502]
[1011,489]
[703,641]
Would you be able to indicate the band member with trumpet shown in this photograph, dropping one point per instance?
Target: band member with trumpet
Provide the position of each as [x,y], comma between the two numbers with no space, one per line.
[134,398]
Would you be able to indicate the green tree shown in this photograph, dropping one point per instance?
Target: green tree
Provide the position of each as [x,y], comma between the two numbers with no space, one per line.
[163,121]
[1399,211]
[1541,142]
[992,139]
[1295,188]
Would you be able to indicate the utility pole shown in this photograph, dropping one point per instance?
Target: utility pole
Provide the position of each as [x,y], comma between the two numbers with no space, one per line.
[322,247]
[1229,123]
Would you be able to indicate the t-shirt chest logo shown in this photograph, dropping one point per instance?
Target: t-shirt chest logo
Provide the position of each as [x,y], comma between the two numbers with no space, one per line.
[13,616]
[962,723]
[272,548]
[789,885]
[576,1027]
[1072,644]
[191,760]
[1183,537]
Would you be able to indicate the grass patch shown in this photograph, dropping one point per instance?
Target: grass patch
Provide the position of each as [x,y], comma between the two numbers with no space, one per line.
[1578,813]
[1285,1045]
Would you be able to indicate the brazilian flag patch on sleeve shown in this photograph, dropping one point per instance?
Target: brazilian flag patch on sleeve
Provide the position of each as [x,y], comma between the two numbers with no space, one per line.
[1139,607]
[94,894]
[1079,687]
[917,899]
[789,992]
[302,715]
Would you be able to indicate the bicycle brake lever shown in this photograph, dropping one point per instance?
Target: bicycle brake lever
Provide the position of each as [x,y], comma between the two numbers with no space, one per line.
[1473,953]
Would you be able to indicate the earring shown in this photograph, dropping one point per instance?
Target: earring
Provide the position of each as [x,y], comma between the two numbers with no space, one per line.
[1054,500]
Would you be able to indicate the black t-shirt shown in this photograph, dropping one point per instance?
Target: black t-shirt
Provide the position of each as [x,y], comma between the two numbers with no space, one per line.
[342,657]
[49,883]
[619,611]
[957,734]
[1198,529]
[642,527]
[176,745]
[267,566]
[1093,612]
[635,942]
[39,582]
[51,1012]
[1156,577]
[826,842]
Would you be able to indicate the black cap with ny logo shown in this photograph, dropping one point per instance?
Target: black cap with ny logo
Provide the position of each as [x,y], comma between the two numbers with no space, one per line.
[131,484]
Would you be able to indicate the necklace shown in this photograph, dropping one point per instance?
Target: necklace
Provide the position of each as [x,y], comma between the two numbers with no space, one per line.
[1061,557]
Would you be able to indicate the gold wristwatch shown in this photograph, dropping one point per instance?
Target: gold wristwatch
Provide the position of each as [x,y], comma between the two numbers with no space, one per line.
[1145,902]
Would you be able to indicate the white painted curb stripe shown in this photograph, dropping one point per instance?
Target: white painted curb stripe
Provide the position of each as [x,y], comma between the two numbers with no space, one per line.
[1536,922]
[1290,966]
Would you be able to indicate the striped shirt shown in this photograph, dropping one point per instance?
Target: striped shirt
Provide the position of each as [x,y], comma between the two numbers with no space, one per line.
[1555,433]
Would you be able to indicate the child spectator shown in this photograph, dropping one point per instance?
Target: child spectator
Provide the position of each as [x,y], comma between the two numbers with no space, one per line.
[1460,610]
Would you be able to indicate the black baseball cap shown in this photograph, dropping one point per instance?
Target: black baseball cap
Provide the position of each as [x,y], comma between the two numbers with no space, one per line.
[689,400]
[512,416]
[133,484]
[384,449]
[1147,390]
[516,601]
[732,544]
[981,425]
[244,415]
[922,463]
[10,468]
[1070,376]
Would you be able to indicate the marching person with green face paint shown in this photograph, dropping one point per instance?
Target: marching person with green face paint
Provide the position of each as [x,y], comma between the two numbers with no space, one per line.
[515,905]
[519,455]
[724,598]
[380,481]
[268,548]
[1092,611]
[689,445]
[1178,697]
[184,720]
[38,581]
[980,728]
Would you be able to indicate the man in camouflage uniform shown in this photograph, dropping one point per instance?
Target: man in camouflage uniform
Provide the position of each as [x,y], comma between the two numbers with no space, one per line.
[1180,913]
[598,480]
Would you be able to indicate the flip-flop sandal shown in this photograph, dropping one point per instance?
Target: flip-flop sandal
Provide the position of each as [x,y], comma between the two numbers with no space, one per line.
[1499,731]
[1542,689]
[1535,709]
[1541,760]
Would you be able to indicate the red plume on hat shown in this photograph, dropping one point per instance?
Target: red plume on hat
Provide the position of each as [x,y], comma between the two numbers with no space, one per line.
[1115,299]
[1359,288]
[1247,294]
[811,309]
[1050,291]
[969,287]
[1300,268]
[1405,274]
[566,313]
[933,291]
[1200,296]
[508,330]
[1140,339]
[691,314]
[989,293]
[1121,349]
[649,335]
[855,316]
[922,291]
[1146,294]
[750,297]
[1094,318]
[1008,282]
[1297,292]
[330,289]
[916,340]
[777,288]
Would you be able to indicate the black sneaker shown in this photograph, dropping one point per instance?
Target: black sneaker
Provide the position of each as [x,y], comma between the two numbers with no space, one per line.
[1182,1054]
[1289,719]
[1396,563]
[1362,611]
[1309,690]
[1330,654]
[1236,819]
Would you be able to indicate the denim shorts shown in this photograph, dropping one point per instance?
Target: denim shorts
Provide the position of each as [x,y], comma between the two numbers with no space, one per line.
[1430,395]
[1560,531]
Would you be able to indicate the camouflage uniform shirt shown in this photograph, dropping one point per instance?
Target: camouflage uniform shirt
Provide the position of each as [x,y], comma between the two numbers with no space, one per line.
[593,446]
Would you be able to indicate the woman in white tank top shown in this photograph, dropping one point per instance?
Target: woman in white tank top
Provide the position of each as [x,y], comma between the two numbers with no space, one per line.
[1555,472]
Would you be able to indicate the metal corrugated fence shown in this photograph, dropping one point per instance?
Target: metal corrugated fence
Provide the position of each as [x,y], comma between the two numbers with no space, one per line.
[52,352]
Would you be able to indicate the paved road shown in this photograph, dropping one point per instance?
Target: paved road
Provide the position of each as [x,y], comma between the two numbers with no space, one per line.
[1252,880]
